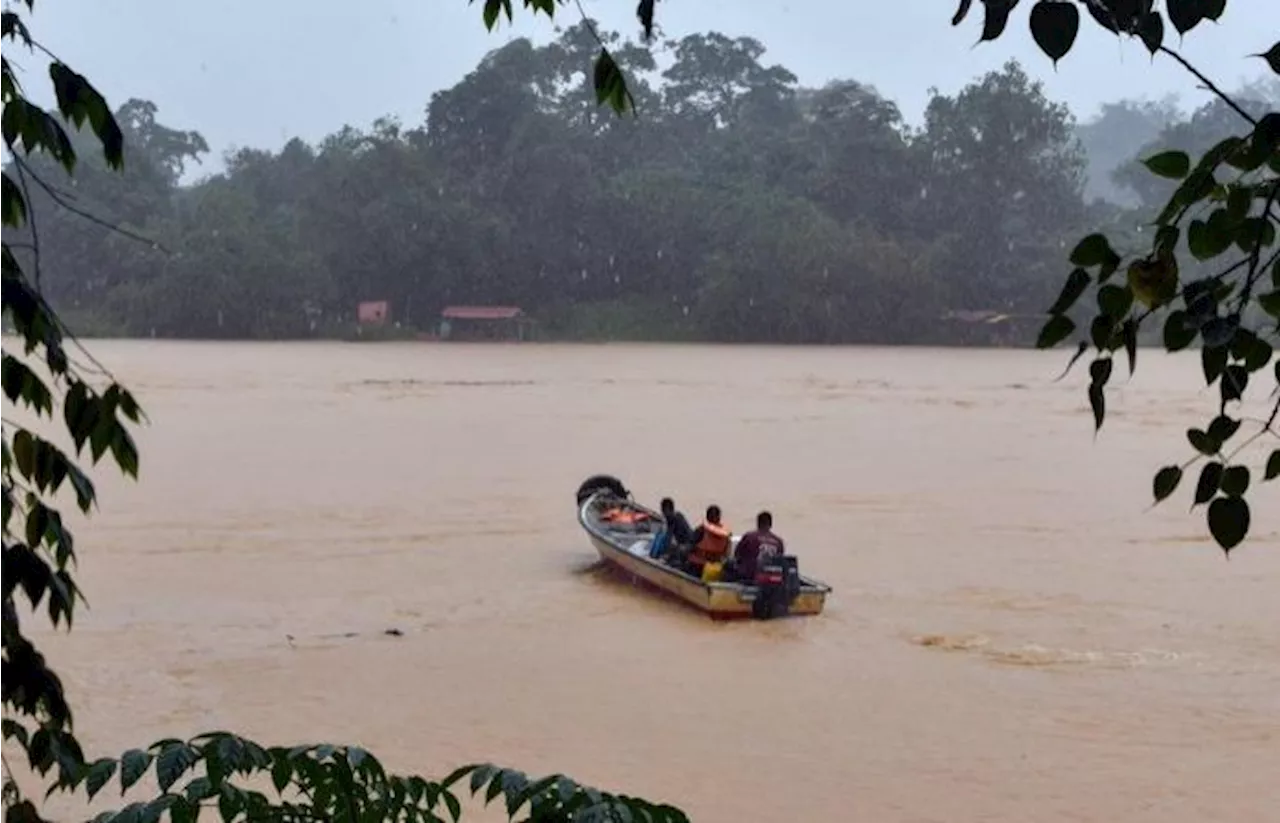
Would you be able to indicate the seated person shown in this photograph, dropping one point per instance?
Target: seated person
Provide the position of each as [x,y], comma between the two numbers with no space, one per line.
[710,541]
[677,526]
[756,546]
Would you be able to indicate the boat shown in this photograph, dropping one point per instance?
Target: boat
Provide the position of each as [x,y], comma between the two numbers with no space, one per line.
[623,532]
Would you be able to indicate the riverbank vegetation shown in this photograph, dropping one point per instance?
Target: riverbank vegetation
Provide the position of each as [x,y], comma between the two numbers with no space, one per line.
[738,206]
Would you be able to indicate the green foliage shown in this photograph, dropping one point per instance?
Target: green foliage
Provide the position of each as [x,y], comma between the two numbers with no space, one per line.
[342,784]
[1222,211]
[38,549]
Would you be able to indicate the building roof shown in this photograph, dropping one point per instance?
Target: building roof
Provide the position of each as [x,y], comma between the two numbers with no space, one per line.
[481,312]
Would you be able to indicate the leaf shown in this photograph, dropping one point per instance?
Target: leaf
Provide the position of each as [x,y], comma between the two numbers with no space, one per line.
[1229,521]
[1219,332]
[15,205]
[1272,470]
[1208,239]
[1151,30]
[1055,331]
[1154,281]
[1239,201]
[455,808]
[1100,371]
[644,13]
[610,86]
[1115,301]
[99,774]
[1270,302]
[1093,250]
[1255,232]
[1212,362]
[997,16]
[1054,26]
[1102,333]
[78,101]
[1102,17]
[1198,185]
[1129,334]
[124,451]
[24,452]
[1235,379]
[172,762]
[1098,404]
[1272,56]
[133,765]
[1166,239]
[1179,332]
[282,772]
[1174,165]
[1235,481]
[1184,14]
[1081,348]
[1254,352]
[1249,155]
[1223,428]
[1166,480]
[1207,485]
[492,8]
[1201,442]
[1076,283]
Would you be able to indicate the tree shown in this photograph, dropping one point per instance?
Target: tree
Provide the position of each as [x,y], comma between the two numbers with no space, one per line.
[1114,136]
[509,193]
[1003,175]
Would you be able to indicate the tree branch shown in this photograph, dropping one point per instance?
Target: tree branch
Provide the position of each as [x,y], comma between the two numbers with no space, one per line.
[1209,85]
[61,200]
[31,219]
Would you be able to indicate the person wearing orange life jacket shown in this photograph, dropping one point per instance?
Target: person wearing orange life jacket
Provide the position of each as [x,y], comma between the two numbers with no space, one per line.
[710,541]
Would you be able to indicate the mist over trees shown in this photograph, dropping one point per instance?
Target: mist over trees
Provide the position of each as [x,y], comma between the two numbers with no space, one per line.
[738,206]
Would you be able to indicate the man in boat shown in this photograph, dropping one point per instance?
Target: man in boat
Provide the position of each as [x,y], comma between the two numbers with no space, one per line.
[756,546]
[710,541]
[679,532]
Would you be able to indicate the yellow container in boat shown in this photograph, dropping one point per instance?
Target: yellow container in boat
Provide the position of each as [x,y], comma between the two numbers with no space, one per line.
[711,572]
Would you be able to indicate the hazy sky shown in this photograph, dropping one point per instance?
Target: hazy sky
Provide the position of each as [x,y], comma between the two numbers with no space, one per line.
[257,73]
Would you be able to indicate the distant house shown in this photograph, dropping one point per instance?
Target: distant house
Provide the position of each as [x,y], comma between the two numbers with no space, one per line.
[373,312]
[484,323]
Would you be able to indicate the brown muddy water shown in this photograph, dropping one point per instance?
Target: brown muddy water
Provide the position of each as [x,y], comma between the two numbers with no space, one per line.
[1014,635]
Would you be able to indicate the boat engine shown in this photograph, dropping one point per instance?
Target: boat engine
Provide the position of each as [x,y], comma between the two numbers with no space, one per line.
[601,482]
[777,587]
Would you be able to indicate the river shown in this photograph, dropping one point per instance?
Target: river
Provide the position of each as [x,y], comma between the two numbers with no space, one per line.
[1014,633]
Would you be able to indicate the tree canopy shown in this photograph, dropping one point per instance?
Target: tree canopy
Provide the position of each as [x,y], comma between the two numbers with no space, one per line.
[739,207]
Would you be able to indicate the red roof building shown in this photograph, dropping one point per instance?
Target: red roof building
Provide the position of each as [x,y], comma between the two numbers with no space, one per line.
[484,322]
[482,313]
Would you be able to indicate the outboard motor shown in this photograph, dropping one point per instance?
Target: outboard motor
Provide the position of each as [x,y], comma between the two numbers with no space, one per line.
[601,482]
[777,587]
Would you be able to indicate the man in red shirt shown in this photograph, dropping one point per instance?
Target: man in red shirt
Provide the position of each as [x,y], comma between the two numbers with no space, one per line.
[755,546]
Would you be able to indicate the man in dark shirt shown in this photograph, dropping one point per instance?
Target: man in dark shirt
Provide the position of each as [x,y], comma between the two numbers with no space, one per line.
[679,533]
[677,525]
[755,546]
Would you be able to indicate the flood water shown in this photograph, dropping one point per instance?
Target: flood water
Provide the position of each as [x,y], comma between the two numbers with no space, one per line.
[1014,633]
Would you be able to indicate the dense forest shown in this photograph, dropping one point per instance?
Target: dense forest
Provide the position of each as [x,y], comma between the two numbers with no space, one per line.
[737,206]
